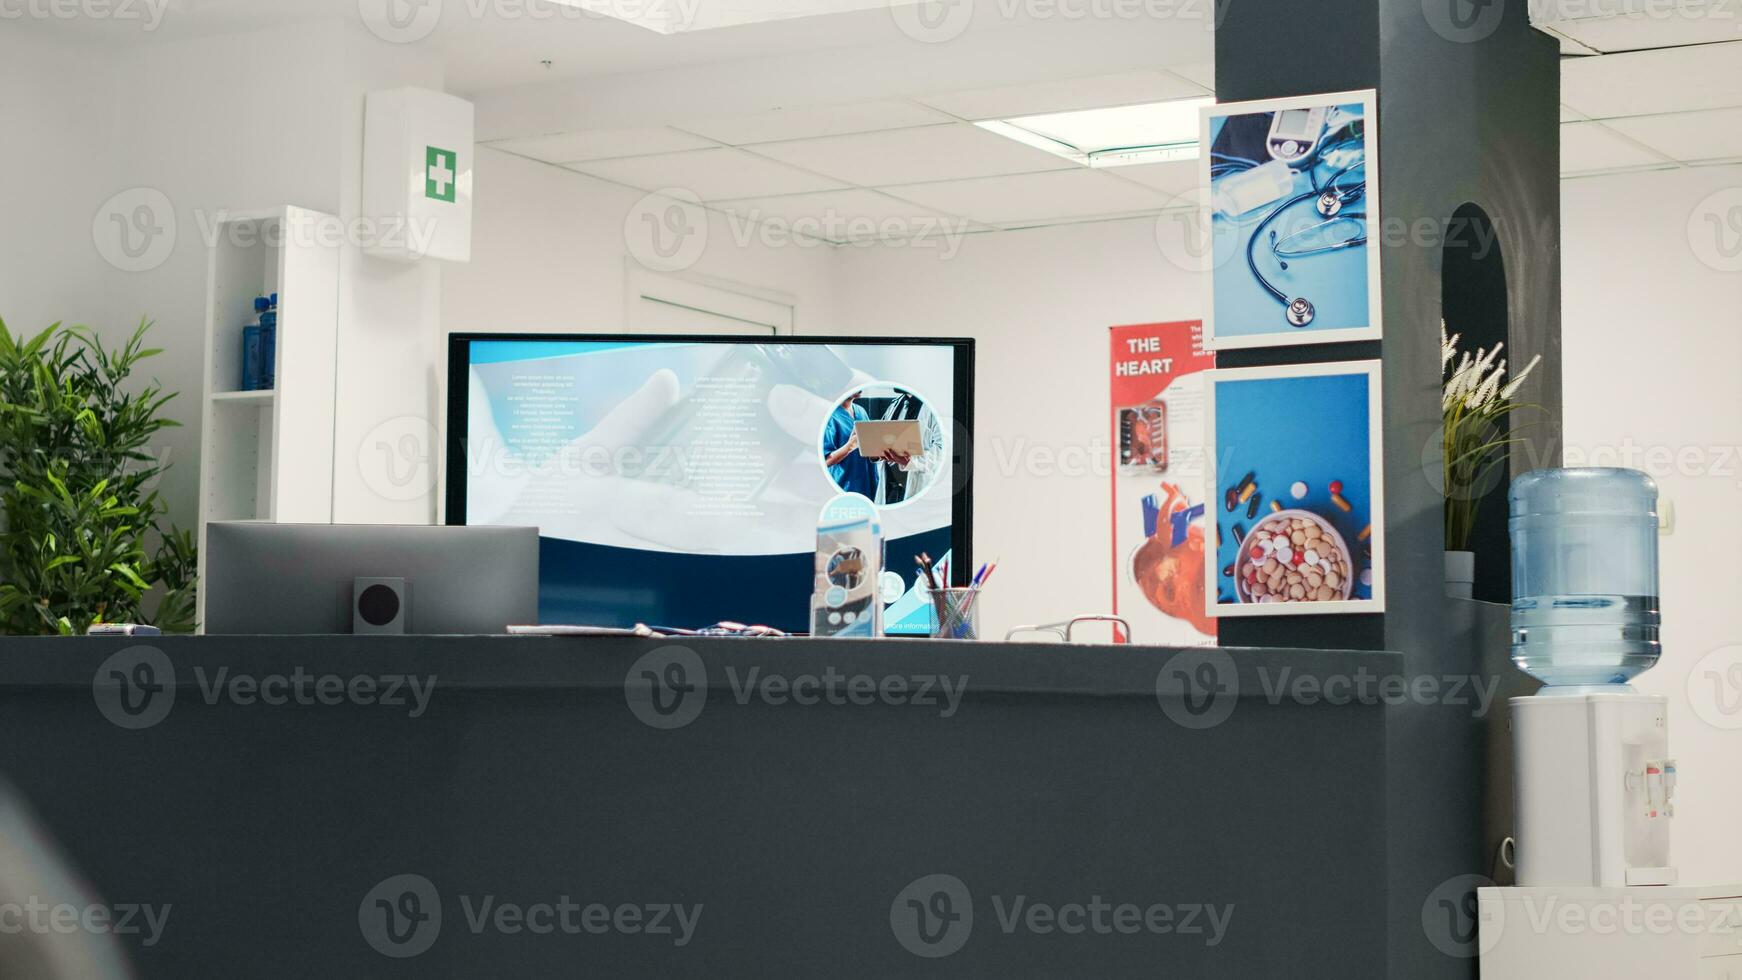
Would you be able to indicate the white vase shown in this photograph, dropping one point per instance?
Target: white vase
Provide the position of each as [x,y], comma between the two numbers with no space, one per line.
[1460,574]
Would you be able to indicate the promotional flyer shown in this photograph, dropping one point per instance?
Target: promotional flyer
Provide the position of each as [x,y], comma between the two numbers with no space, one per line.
[1158,418]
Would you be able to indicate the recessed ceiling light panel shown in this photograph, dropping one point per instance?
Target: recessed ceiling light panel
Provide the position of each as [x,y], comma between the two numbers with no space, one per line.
[682,16]
[1154,132]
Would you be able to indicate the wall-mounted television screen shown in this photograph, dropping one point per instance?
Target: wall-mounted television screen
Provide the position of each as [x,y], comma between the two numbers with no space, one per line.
[677,481]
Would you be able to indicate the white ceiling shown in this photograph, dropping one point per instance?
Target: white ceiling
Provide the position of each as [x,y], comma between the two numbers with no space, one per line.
[1639,106]
[1126,88]
[718,174]
[1613,26]
[850,170]
[805,122]
[921,158]
[882,119]
[1642,110]
[485,46]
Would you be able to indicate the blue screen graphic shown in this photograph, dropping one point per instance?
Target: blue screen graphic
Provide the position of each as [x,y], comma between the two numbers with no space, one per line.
[678,483]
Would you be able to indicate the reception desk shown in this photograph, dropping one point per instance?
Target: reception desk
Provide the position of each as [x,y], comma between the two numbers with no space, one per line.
[526,807]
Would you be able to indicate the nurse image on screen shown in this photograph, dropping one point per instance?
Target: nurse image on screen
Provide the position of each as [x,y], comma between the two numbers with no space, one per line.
[848,467]
[1292,205]
[900,457]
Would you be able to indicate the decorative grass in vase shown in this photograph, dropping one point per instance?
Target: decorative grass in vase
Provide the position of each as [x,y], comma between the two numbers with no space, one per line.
[1475,403]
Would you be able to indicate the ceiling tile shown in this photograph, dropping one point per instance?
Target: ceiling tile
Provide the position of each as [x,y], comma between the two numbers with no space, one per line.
[1588,146]
[848,215]
[1203,74]
[1646,82]
[1127,88]
[1172,179]
[1078,193]
[599,144]
[1636,32]
[1714,134]
[1570,47]
[907,156]
[712,175]
[810,121]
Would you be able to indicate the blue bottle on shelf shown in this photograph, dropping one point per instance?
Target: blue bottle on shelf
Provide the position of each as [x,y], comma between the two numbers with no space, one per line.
[268,341]
[251,357]
[253,336]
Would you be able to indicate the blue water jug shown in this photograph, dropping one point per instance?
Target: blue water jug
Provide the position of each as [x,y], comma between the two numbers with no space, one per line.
[1584,575]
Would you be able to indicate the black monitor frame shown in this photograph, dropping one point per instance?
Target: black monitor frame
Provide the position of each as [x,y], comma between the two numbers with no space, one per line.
[961,495]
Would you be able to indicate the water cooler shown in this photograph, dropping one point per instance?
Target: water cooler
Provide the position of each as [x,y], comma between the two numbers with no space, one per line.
[1594,778]
[1596,896]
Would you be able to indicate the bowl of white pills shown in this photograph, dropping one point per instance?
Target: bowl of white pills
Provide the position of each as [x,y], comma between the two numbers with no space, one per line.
[1294,556]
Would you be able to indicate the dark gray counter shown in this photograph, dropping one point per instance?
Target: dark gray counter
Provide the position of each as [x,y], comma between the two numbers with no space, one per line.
[1059,776]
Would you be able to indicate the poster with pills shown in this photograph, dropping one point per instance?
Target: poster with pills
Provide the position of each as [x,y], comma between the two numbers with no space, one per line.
[1293,477]
[1156,376]
[1290,200]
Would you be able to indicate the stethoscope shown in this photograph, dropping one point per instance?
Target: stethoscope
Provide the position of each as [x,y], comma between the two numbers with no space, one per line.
[1330,201]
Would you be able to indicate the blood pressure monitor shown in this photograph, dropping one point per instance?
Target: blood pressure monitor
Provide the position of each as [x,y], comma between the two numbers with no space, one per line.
[1295,133]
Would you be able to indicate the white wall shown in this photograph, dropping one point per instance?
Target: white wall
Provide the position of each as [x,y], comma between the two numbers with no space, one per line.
[239,121]
[55,113]
[549,254]
[1653,380]
[206,123]
[390,328]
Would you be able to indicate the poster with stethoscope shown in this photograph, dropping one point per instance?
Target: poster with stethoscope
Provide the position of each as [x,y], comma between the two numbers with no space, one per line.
[1292,187]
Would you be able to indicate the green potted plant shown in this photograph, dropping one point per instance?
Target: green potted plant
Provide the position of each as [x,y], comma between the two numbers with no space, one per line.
[1475,402]
[83,537]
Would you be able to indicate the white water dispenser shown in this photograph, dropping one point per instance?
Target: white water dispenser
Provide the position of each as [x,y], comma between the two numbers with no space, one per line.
[1594,779]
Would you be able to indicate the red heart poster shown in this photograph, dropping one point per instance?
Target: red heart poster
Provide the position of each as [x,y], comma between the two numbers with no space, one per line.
[1157,383]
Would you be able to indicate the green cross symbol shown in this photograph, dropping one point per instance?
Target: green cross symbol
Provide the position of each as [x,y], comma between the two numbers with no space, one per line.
[439,178]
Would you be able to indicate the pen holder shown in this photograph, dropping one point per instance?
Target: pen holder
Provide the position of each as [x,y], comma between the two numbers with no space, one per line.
[955,614]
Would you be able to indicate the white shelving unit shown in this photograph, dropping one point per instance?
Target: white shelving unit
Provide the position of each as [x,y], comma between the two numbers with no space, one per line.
[268,455]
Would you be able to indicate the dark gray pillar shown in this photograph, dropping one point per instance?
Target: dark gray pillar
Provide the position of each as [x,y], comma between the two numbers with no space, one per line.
[1468,115]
